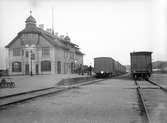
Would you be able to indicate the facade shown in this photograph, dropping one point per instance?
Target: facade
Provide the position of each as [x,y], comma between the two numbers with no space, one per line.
[36,51]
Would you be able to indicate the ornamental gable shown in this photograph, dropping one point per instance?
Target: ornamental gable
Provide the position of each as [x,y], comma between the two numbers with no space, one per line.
[29,39]
[16,43]
[44,43]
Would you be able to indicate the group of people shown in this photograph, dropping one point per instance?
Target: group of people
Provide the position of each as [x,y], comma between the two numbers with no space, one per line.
[81,70]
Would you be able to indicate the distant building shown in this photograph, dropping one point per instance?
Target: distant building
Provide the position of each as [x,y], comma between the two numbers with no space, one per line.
[36,51]
[3,58]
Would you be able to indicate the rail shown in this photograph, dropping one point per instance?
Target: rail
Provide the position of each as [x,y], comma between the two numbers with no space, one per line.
[25,96]
[139,91]
[156,84]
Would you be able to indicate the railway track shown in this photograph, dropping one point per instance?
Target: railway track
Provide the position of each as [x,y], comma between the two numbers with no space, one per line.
[141,96]
[143,105]
[158,85]
[25,96]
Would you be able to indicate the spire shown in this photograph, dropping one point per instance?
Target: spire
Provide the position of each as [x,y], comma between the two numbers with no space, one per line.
[67,38]
[30,20]
[52,21]
[30,12]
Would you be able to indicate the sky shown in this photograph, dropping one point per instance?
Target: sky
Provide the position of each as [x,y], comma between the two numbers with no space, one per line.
[101,28]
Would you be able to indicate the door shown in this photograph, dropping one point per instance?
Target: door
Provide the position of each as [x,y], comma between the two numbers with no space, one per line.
[37,72]
[65,68]
[72,67]
[58,67]
[26,69]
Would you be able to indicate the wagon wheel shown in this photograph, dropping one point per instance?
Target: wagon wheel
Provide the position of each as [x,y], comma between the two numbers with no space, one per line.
[13,84]
[8,85]
[147,77]
[1,85]
[3,80]
[4,85]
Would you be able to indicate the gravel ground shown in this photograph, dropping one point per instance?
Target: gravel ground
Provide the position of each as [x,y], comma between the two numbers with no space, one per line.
[109,101]
[159,78]
[28,83]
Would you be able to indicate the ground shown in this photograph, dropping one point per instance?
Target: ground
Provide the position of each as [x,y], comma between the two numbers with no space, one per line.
[110,101]
[27,83]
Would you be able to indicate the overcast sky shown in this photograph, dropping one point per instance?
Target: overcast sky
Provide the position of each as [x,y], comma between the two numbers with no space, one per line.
[111,28]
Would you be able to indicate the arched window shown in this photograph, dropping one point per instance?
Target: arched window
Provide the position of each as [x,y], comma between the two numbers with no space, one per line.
[16,67]
[45,66]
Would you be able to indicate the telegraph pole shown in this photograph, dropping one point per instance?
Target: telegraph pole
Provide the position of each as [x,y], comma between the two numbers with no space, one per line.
[52,21]
[31,62]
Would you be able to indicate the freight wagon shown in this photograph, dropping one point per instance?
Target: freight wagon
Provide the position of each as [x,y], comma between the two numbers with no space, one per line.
[107,67]
[103,66]
[141,65]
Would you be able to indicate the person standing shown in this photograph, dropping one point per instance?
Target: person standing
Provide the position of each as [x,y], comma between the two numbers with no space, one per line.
[90,70]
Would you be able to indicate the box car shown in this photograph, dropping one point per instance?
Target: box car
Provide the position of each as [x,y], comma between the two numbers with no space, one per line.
[116,68]
[141,64]
[103,66]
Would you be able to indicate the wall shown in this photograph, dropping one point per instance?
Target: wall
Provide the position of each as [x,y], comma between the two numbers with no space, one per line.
[44,43]
[56,54]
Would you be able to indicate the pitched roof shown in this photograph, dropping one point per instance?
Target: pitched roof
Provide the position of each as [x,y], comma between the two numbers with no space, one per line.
[79,52]
[54,40]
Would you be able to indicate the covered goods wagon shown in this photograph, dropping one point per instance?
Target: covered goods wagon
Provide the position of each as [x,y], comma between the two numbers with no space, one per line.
[141,64]
[103,66]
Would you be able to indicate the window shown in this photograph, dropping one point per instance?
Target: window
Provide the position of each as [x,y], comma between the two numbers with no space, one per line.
[45,66]
[32,56]
[22,52]
[71,55]
[45,51]
[17,52]
[65,54]
[27,54]
[16,67]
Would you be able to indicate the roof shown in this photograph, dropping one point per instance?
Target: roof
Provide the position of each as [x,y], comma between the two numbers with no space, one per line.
[30,19]
[103,58]
[67,38]
[141,53]
[79,52]
[54,40]
[109,58]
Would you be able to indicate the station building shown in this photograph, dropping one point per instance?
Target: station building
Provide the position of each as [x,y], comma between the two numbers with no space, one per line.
[37,51]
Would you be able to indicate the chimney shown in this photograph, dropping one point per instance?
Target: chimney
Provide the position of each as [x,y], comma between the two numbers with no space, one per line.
[56,33]
[62,36]
[41,26]
[49,30]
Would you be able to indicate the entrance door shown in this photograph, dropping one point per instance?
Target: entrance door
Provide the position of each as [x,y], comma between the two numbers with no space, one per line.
[72,67]
[37,72]
[27,69]
[66,66]
[58,67]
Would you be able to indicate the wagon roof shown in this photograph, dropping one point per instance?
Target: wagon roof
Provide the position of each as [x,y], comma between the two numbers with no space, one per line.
[103,58]
[141,53]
